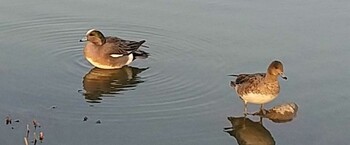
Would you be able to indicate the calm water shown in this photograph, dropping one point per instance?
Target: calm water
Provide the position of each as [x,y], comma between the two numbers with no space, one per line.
[181,93]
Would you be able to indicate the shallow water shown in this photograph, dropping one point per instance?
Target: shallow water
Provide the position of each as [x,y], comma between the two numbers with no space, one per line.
[181,93]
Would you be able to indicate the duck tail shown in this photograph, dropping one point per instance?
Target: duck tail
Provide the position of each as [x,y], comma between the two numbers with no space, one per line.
[233,84]
[234,75]
[141,42]
[134,45]
[139,54]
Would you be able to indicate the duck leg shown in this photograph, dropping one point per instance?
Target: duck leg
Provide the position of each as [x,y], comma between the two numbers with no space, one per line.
[245,108]
[262,110]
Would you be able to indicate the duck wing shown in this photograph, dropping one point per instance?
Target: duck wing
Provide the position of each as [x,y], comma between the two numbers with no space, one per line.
[128,45]
[248,78]
[113,50]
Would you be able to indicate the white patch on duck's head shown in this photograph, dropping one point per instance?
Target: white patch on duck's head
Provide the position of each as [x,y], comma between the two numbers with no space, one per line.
[88,32]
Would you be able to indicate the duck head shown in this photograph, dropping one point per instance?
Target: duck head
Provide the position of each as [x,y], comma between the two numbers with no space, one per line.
[94,36]
[276,69]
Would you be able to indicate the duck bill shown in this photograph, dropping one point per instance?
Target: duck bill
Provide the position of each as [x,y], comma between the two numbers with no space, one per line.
[83,39]
[283,76]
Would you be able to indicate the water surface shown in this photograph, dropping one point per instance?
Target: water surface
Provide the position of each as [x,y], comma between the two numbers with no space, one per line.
[181,93]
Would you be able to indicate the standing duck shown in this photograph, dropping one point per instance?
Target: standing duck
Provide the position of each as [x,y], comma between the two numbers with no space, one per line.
[259,88]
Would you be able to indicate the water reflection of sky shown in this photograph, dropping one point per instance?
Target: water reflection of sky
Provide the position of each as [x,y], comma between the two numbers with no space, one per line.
[185,97]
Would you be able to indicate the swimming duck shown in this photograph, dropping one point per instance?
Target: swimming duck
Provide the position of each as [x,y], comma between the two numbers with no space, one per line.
[111,52]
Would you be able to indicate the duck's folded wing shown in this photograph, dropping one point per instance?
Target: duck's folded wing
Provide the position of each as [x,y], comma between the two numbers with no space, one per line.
[127,45]
[248,78]
[134,45]
[117,52]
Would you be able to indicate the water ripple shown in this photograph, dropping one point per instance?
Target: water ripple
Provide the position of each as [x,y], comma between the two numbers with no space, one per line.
[175,84]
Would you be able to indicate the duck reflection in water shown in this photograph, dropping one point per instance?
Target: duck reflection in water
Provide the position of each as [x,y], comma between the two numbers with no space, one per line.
[248,132]
[99,83]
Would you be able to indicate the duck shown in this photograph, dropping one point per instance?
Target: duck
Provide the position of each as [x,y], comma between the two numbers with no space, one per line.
[259,88]
[111,52]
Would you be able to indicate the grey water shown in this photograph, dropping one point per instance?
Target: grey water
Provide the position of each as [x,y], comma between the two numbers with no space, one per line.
[181,93]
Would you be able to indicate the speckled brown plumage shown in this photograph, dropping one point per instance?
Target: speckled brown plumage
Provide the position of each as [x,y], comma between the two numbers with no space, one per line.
[259,88]
[254,83]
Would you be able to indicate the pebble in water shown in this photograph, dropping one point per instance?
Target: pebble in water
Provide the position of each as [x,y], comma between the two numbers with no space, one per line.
[281,113]
[85,118]
[8,120]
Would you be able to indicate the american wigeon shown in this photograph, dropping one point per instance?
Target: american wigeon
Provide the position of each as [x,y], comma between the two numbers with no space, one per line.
[259,88]
[110,52]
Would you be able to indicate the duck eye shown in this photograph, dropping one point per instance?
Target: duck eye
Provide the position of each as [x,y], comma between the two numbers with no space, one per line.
[91,34]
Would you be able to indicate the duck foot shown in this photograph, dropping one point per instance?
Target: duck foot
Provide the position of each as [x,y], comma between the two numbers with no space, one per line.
[261,113]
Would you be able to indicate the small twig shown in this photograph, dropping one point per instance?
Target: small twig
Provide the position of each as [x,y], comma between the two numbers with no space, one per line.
[26,141]
[27,134]
[41,136]
[35,124]
[35,138]
[8,120]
